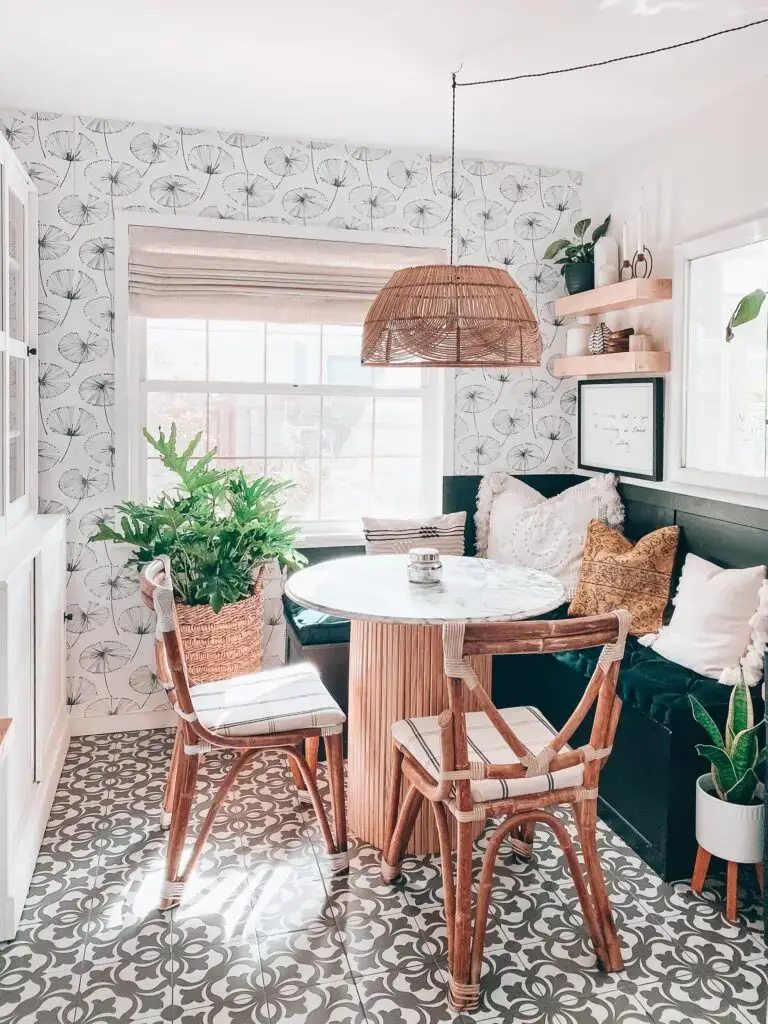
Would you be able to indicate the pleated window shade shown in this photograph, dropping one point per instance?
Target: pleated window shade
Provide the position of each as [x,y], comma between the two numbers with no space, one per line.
[218,275]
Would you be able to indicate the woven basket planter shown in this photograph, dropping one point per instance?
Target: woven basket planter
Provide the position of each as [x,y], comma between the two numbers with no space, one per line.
[224,645]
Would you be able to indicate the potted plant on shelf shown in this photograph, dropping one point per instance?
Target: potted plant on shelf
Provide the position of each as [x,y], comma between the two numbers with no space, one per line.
[577,264]
[219,529]
[729,807]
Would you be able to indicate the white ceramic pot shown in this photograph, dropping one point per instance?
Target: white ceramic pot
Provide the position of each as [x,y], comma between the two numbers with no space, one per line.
[728,831]
[606,261]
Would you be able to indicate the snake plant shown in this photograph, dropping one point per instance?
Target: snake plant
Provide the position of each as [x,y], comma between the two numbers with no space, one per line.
[735,757]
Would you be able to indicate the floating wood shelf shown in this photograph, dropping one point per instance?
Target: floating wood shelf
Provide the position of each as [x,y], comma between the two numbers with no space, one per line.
[615,362]
[623,295]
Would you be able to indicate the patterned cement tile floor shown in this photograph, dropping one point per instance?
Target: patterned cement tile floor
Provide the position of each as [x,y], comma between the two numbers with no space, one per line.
[266,934]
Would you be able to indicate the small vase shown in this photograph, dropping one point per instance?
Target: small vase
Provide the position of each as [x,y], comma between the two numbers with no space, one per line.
[606,261]
[732,832]
[579,277]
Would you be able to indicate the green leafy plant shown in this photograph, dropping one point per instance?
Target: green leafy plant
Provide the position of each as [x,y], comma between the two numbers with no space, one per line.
[217,527]
[581,249]
[747,308]
[734,758]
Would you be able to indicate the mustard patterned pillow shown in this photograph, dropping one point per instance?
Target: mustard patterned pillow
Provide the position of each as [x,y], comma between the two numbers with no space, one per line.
[618,574]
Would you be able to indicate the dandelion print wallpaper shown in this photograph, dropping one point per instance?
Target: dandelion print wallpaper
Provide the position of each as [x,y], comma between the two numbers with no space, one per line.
[87,168]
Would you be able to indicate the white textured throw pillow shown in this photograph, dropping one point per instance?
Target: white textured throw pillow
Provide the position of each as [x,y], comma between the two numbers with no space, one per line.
[517,525]
[397,536]
[719,626]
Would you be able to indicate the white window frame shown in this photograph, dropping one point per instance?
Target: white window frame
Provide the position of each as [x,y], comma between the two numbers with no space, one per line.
[708,245]
[131,385]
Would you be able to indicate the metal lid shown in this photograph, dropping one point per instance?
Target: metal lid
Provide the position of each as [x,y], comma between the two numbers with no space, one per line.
[424,556]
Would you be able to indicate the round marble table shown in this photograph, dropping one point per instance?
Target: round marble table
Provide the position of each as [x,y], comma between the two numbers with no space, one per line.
[396,655]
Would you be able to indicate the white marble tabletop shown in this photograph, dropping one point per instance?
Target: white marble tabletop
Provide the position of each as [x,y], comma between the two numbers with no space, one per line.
[472,590]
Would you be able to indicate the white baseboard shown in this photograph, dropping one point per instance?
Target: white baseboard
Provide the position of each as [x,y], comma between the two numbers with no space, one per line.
[162,719]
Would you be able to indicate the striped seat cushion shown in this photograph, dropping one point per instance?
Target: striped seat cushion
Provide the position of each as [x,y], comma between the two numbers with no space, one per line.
[283,699]
[398,536]
[421,738]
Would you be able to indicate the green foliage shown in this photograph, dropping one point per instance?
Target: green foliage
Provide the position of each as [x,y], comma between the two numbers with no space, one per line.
[748,308]
[578,250]
[217,527]
[736,757]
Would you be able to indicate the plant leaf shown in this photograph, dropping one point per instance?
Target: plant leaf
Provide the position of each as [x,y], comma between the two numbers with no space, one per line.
[580,227]
[707,722]
[722,768]
[747,308]
[555,247]
[743,790]
[744,750]
[601,229]
[740,713]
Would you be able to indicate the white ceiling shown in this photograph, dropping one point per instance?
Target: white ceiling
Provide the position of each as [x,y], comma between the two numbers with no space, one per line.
[380,72]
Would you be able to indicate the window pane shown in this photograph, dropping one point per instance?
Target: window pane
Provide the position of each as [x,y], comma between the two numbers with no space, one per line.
[236,351]
[726,384]
[293,425]
[397,426]
[236,425]
[346,489]
[176,349]
[251,467]
[187,411]
[341,357]
[397,486]
[159,479]
[347,426]
[301,500]
[293,353]
[398,377]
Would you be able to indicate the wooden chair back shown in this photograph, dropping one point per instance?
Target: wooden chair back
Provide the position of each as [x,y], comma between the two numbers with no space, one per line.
[532,637]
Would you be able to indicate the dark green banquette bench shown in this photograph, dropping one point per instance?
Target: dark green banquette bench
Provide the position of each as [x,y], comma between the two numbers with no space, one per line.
[647,788]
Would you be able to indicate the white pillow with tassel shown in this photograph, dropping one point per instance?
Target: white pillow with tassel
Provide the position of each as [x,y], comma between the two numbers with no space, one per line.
[719,626]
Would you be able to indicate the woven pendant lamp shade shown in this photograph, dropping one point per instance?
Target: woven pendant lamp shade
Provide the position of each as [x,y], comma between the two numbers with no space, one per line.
[446,315]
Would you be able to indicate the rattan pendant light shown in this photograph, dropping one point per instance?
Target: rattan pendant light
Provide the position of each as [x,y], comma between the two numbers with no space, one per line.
[449,315]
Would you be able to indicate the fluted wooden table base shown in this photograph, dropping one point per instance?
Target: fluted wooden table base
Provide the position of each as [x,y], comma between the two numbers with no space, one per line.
[395,672]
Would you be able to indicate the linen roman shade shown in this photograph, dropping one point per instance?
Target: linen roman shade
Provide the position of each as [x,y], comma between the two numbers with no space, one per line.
[175,272]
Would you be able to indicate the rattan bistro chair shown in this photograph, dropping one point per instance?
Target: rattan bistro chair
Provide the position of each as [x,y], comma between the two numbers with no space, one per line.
[277,709]
[508,764]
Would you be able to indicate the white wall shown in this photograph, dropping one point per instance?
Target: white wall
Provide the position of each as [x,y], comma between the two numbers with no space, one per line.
[707,172]
[86,169]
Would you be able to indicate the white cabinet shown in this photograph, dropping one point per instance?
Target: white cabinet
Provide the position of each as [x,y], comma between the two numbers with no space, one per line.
[18,340]
[33,695]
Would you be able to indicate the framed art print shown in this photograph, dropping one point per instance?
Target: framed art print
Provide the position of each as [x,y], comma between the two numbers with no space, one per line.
[621,426]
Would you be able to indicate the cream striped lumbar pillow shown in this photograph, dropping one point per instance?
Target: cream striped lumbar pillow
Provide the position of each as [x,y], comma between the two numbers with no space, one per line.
[398,536]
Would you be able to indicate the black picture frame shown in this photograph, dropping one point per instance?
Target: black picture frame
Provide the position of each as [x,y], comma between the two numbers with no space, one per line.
[657,384]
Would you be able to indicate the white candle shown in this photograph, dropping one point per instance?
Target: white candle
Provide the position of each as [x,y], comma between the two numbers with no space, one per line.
[624,242]
[640,219]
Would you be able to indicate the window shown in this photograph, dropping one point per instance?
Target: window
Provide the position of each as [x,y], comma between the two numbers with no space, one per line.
[292,401]
[723,387]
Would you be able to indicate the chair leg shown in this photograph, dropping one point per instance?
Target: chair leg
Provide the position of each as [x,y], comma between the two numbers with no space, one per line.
[335,756]
[310,784]
[170,782]
[393,806]
[311,744]
[446,868]
[186,777]
[463,993]
[585,812]
[760,876]
[392,858]
[522,840]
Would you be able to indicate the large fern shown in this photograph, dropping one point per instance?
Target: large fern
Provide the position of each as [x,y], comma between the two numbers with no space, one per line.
[217,526]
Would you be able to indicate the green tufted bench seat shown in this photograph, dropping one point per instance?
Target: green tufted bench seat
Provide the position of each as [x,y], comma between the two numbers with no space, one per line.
[647,786]
[312,628]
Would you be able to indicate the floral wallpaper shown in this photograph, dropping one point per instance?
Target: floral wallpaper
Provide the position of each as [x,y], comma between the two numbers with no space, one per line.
[87,168]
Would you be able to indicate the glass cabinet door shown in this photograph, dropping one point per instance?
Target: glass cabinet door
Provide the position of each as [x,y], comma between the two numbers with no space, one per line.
[17,432]
[17,285]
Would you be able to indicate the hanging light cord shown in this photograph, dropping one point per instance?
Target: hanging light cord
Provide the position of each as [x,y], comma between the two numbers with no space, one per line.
[453,151]
[610,60]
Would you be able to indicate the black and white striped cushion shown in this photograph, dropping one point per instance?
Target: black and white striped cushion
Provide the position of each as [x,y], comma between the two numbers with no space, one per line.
[421,738]
[263,703]
[398,536]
